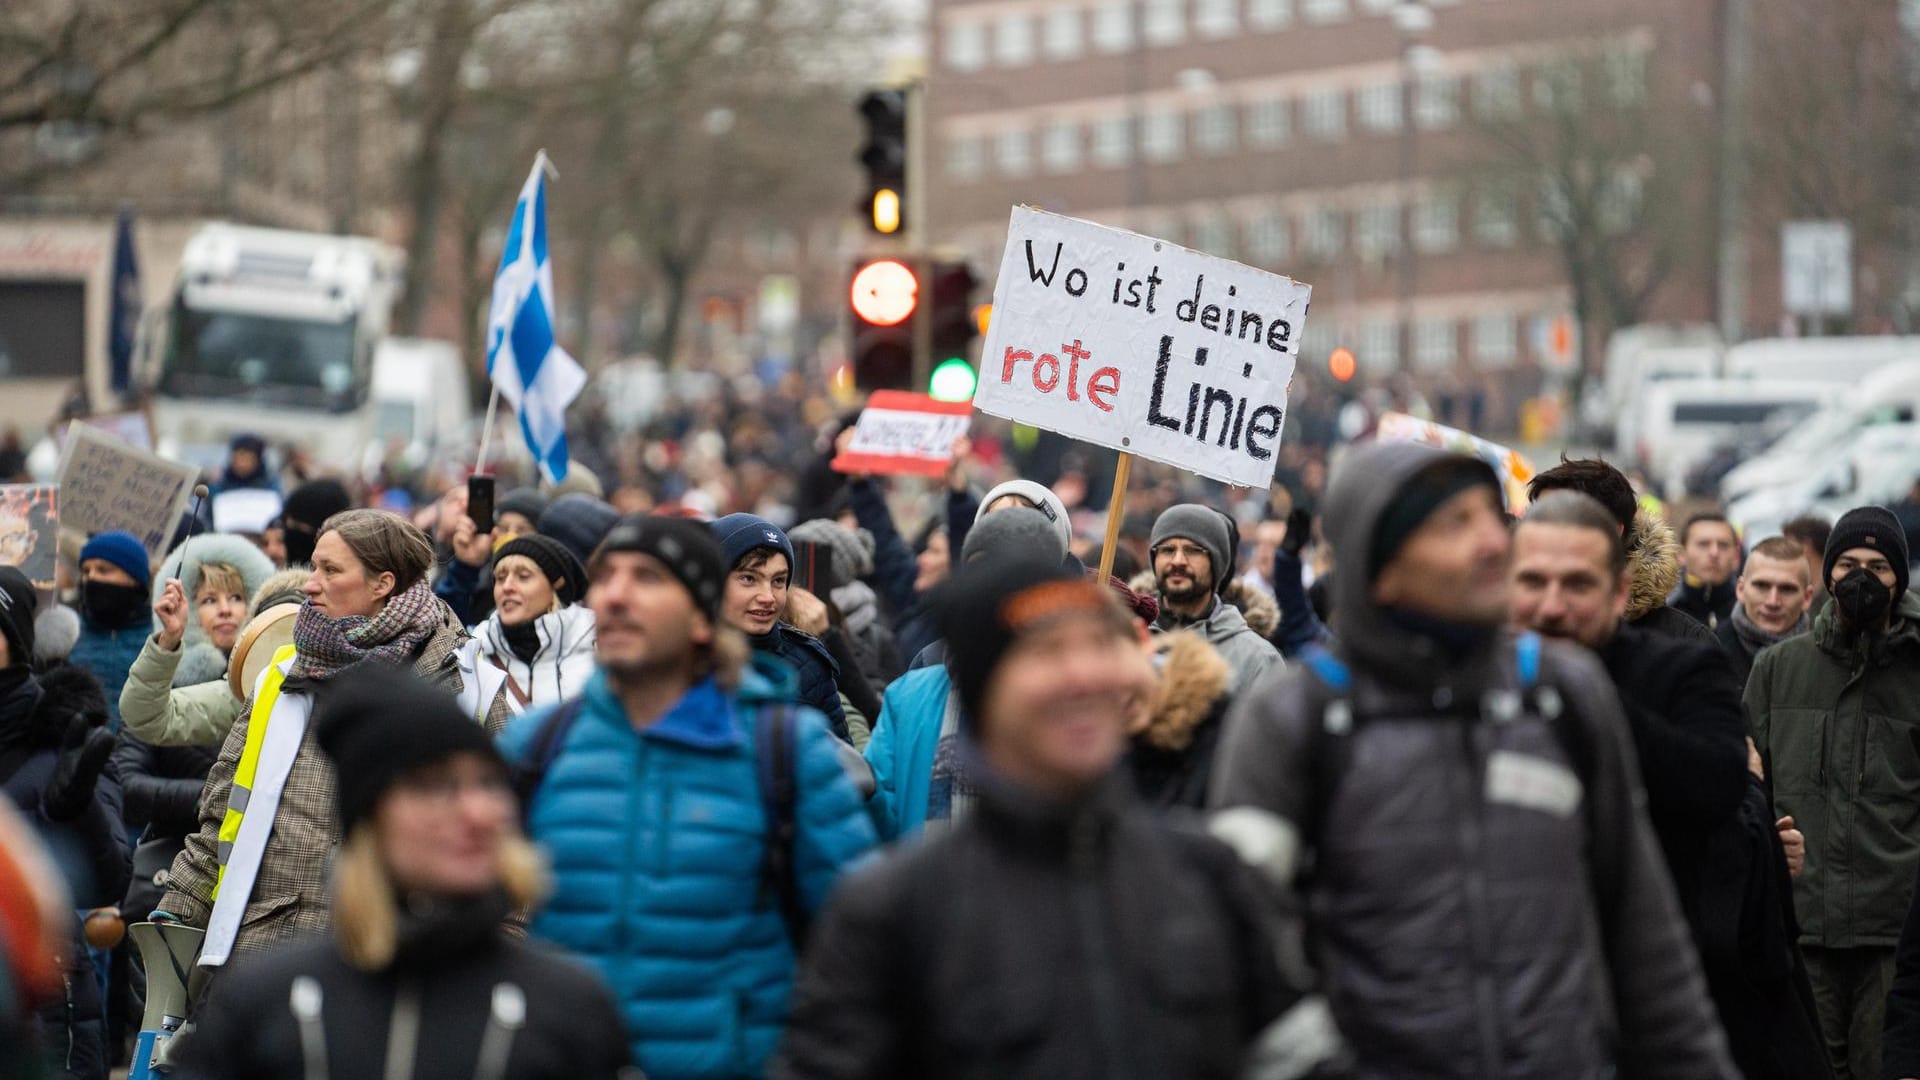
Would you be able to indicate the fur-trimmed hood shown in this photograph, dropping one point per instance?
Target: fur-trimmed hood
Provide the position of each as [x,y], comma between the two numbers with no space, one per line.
[235,551]
[284,585]
[1261,611]
[1653,565]
[66,692]
[1193,677]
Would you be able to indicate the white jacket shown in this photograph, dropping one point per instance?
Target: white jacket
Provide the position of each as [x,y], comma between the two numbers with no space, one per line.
[559,671]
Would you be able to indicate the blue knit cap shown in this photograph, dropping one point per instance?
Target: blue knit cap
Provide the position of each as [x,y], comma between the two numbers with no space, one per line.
[740,533]
[122,549]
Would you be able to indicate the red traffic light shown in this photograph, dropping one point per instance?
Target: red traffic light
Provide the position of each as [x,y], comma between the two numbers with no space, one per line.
[1341,364]
[885,293]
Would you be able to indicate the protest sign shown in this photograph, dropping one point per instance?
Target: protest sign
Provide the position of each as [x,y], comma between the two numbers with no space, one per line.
[245,510]
[29,530]
[1143,346]
[1513,470]
[106,484]
[905,433]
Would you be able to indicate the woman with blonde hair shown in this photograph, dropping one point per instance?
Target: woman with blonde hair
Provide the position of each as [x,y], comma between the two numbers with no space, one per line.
[537,646]
[416,978]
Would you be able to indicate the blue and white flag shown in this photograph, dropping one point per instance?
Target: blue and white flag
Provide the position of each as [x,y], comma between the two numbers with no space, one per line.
[531,370]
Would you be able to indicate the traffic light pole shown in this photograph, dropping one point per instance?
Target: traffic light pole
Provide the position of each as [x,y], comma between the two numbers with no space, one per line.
[917,232]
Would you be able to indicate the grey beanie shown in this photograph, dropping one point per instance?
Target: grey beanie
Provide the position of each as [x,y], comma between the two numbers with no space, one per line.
[852,551]
[1044,501]
[1014,531]
[1204,526]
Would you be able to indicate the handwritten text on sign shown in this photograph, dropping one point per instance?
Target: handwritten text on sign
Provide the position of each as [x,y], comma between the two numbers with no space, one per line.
[106,484]
[1118,339]
[905,433]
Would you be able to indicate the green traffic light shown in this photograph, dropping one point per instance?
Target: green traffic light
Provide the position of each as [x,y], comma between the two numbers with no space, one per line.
[952,380]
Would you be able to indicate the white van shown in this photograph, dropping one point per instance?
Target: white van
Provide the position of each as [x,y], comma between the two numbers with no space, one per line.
[421,401]
[1684,420]
[1890,395]
[1826,359]
[1873,465]
[1655,368]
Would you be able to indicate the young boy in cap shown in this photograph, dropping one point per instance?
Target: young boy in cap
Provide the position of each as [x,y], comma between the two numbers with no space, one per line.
[759,560]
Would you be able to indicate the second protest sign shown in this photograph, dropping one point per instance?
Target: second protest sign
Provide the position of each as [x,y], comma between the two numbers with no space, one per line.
[1133,343]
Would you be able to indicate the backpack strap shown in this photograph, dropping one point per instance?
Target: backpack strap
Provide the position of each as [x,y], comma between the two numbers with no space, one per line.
[776,765]
[531,769]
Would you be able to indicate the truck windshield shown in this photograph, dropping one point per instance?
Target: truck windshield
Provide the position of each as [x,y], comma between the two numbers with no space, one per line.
[259,358]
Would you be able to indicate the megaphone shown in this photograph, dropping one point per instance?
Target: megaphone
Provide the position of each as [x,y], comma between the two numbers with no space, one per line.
[168,952]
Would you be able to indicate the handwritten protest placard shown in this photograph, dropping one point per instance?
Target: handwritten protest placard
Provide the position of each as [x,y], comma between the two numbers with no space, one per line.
[1513,470]
[106,484]
[30,530]
[1140,345]
[905,433]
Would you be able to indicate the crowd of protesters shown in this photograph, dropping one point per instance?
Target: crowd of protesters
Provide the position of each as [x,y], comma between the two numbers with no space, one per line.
[710,761]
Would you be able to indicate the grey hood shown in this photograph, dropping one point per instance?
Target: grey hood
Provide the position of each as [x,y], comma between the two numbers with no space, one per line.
[1367,481]
[235,551]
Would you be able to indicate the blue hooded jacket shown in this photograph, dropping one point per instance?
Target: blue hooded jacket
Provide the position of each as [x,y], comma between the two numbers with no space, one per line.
[657,838]
[902,749]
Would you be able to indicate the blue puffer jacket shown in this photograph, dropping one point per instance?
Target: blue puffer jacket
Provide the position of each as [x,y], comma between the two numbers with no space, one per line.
[657,838]
[902,747]
[818,674]
[108,655]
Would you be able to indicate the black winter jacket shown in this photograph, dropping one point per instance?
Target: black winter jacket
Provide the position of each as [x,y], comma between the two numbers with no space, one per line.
[1040,940]
[485,1008]
[819,672]
[1708,605]
[1900,1056]
[161,784]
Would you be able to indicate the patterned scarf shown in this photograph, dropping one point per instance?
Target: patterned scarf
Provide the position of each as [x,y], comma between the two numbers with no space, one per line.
[328,646]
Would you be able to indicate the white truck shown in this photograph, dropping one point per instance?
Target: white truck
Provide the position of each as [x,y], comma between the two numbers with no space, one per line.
[271,332]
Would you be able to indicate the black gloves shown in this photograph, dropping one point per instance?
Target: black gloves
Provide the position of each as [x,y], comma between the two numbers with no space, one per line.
[1299,531]
[83,754]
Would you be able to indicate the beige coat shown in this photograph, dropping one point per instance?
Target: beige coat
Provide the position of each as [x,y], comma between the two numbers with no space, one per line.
[161,714]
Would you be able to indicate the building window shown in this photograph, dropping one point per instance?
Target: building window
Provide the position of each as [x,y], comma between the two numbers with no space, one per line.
[1379,345]
[1552,211]
[1269,14]
[1436,224]
[1014,151]
[966,45]
[1379,106]
[1619,208]
[1216,18]
[1267,239]
[1013,40]
[1496,92]
[1626,70]
[1435,344]
[1112,142]
[1165,21]
[1322,233]
[1496,216]
[1437,101]
[1556,88]
[1213,129]
[966,157]
[1113,26]
[1267,123]
[1326,115]
[1160,135]
[1376,230]
[1496,341]
[1060,147]
[1213,234]
[1063,32]
[1323,11]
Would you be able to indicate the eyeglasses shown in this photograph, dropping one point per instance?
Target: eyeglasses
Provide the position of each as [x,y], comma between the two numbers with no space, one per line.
[1175,550]
[1876,567]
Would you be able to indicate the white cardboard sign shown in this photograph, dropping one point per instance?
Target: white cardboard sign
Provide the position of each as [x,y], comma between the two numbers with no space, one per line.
[106,484]
[1140,345]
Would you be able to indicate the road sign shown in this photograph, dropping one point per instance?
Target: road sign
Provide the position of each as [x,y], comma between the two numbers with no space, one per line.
[1816,267]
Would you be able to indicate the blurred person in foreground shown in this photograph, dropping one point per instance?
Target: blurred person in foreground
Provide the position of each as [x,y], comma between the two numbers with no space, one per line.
[1487,896]
[416,976]
[1062,930]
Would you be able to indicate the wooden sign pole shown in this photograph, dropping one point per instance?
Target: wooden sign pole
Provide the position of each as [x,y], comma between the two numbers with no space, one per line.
[1116,513]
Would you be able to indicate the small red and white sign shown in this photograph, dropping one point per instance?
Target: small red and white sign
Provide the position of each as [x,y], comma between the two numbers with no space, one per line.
[901,433]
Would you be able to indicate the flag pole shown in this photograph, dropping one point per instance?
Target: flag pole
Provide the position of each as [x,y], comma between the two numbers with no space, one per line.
[486,431]
[1116,513]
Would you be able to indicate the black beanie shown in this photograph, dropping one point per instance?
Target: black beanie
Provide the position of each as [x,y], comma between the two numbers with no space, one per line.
[1868,527]
[18,604]
[686,548]
[382,723]
[988,603]
[308,508]
[1418,498]
[525,501]
[562,570]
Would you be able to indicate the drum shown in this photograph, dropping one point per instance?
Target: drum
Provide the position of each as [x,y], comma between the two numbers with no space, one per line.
[254,649]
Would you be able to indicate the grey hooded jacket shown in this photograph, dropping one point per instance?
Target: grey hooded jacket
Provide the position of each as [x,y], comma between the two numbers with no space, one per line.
[1248,655]
[1489,897]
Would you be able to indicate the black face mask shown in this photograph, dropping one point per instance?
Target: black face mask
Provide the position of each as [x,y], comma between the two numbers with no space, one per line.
[1863,599]
[111,606]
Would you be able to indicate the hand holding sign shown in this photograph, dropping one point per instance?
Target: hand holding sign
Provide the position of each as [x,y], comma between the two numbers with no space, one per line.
[900,433]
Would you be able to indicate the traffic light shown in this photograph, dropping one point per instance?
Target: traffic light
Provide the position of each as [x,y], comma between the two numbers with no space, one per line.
[1341,364]
[882,299]
[955,325]
[884,157]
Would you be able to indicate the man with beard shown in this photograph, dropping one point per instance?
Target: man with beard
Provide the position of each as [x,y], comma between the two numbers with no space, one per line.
[1729,867]
[1834,714]
[1774,592]
[1193,551]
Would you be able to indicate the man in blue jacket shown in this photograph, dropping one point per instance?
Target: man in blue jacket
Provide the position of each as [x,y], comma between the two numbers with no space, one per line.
[648,795]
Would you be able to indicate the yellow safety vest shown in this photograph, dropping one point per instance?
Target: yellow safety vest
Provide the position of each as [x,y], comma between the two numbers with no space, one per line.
[263,705]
